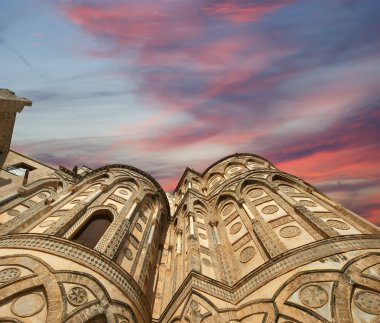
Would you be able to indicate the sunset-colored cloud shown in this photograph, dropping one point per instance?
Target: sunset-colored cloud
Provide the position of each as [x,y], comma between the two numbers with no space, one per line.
[162,85]
[245,11]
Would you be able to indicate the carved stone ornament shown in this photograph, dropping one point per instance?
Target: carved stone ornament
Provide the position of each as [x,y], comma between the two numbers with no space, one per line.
[236,228]
[128,253]
[13,212]
[42,195]
[124,192]
[9,274]
[112,205]
[227,210]
[313,296]
[247,254]
[203,236]
[270,209]
[75,202]
[195,312]
[338,225]
[47,223]
[206,262]
[139,227]
[255,193]
[308,203]
[287,189]
[28,305]
[368,302]
[290,231]
[77,296]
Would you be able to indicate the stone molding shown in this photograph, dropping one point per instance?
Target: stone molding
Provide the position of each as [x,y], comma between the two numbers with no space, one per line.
[85,256]
[268,271]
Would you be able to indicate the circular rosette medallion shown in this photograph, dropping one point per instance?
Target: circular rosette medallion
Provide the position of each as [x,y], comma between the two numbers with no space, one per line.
[203,236]
[368,302]
[128,253]
[28,305]
[270,209]
[77,296]
[308,203]
[236,228]
[247,254]
[227,210]
[313,296]
[206,262]
[255,193]
[290,231]
[338,225]
[13,212]
[9,274]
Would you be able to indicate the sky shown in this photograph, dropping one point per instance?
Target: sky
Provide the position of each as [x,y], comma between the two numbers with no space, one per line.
[165,84]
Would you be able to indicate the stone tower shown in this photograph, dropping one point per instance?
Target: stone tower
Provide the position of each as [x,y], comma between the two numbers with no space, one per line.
[10,104]
[82,248]
[249,243]
[240,242]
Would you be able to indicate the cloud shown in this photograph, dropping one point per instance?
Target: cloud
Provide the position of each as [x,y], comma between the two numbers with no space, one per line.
[245,11]
[295,81]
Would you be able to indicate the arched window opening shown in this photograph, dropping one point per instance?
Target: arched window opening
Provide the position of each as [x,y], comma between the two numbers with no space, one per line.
[98,319]
[93,230]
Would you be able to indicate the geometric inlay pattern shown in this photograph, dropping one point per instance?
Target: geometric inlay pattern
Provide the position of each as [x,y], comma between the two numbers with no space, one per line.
[313,296]
[77,296]
[9,274]
[247,254]
[290,231]
[270,209]
[338,225]
[368,302]
[235,228]
[139,227]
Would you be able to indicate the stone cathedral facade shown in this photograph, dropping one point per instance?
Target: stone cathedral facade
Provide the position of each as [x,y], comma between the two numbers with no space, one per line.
[240,242]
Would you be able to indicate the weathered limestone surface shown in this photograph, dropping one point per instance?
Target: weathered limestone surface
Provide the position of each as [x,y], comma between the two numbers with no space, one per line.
[240,242]
[10,104]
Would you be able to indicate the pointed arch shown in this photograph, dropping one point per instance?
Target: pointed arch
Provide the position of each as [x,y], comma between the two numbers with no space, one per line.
[94,227]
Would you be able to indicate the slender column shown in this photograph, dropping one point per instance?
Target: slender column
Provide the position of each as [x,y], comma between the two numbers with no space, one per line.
[285,197]
[60,199]
[268,239]
[249,212]
[213,225]
[92,197]
[179,241]
[170,251]
[151,233]
[191,218]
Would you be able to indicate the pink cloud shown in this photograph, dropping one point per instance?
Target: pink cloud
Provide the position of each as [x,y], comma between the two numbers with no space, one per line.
[246,11]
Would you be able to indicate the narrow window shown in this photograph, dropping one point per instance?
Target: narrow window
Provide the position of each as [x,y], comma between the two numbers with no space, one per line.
[93,230]
[19,169]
